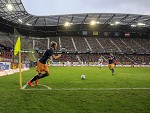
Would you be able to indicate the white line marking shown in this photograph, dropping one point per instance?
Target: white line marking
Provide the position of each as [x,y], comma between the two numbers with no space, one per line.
[89,89]
[34,89]
[45,86]
[92,89]
[24,86]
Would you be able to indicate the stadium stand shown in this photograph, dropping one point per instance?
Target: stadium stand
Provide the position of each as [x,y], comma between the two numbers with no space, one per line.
[133,45]
[6,40]
[81,44]
[123,59]
[140,59]
[108,45]
[95,45]
[145,43]
[89,57]
[41,44]
[121,45]
[68,57]
[67,44]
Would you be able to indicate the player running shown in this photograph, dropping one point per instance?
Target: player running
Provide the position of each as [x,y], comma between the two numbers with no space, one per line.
[42,66]
[115,61]
[111,63]
[100,61]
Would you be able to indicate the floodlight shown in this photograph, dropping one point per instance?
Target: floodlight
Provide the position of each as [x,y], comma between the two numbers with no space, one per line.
[9,7]
[112,24]
[20,20]
[67,24]
[133,25]
[93,22]
[117,22]
[28,24]
[141,24]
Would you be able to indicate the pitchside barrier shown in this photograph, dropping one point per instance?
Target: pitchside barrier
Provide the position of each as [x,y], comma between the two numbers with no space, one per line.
[98,65]
[11,71]
[105,64]
[5,65]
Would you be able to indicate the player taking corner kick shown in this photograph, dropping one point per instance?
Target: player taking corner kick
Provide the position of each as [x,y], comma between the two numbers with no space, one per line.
[111,63]
[42,66]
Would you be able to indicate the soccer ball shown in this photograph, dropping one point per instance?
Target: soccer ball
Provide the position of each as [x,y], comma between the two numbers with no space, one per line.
[83,77]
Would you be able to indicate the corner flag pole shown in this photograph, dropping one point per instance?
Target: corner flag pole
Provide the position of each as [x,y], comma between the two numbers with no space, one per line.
[17,50]
[20,74]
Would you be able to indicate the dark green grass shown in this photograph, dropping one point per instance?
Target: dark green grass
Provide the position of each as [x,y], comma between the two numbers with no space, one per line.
[14,100]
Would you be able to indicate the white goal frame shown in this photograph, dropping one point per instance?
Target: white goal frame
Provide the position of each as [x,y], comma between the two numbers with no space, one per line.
[40,39]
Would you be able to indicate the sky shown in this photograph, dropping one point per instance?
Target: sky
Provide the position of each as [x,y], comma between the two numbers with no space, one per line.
[61,7]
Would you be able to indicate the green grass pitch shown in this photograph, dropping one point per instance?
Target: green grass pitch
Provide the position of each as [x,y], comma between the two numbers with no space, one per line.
[14,100]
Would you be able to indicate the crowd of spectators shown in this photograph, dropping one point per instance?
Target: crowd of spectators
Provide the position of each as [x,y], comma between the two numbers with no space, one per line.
[68,57]
[89,57]
[133,44]
[6,41]
[140,59]
[122,59]
[81,44]
[108,45]
[95,46]
[145,43]
[67,44]
[126,45]
[121,45]
[41,44]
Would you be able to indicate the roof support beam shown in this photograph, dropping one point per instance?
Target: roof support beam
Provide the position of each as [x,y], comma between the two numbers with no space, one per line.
[124,18]
[134,20]
[58,21]
[34,23]
[99,17]
[146,21]
[72,19]
[110,19]
[84,19]
[45,21]
[18,5]
[27,20]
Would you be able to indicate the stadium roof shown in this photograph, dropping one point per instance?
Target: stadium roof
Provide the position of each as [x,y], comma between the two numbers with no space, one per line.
[19,15]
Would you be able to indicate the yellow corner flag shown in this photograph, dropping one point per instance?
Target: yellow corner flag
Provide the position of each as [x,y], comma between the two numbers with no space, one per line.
[17,50]
[17,46]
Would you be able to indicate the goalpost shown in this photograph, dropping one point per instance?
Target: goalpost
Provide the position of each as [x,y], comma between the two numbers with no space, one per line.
[41,40]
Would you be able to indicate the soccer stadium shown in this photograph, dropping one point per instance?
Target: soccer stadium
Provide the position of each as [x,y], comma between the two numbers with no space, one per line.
[93,62]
